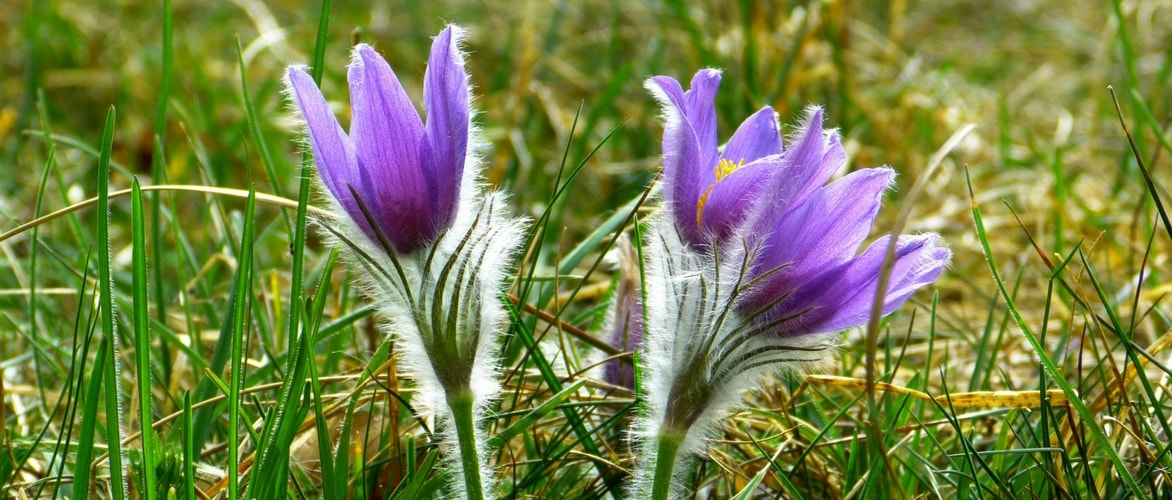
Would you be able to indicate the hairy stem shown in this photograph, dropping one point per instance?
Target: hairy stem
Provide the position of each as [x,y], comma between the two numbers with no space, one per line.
[462,406]
[668,445]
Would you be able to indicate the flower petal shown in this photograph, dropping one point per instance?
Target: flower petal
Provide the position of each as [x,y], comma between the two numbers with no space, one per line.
[445,144]
[626,323]
[700,102]
[668,91]
[919,260]
[825,231]
[387,131]
[684,176]
[812,158]
[333,152]
[808,163]
[626,335]
[731,198]
[757,137]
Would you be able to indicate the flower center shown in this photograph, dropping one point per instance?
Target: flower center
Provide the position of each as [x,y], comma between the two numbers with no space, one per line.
[722,170]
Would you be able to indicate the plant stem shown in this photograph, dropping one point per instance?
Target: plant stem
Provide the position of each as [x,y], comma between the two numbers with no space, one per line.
[665,461]
[462,404]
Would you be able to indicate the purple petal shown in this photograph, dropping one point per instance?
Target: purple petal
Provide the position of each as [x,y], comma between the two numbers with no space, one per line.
[756,138]
[700,108]
[758,143]
[684,176]
[811,160]
[919,261]
[670,88]
[627,323]
[731,198]
[689,145]
[627,335]
[387,131]
[823,233]
[924,269]
[445,144]
[333,152]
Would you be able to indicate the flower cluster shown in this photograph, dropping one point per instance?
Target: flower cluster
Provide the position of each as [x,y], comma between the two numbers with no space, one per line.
[753,265]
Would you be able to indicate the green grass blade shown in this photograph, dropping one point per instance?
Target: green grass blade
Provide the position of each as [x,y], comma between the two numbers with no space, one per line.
[266,158]
[1129,344]
[83,147]
[106,290]
[331,487]
[1135,146]
[168,65]
[1055,373]
[554,382]
[750,488]
[33,329]
[275,427]
[167,336]
[319,45]
[159,169]
[1150,120]
[341,324]
[142,342]
[239,319]
[189,453]
[82,327]
[415,485]
[281,425]
[89,426]
[73,384]
[524,423]
[1125,43]
[220,355]
[341,458]
[614,223]
[47,131]
[277,430]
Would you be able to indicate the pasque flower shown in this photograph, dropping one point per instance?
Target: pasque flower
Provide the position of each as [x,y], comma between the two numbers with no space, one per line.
[625,320]
[755,265]
[432,247]
[407,173]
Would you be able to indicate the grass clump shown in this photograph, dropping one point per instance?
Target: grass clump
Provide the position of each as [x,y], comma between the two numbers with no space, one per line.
[167,322]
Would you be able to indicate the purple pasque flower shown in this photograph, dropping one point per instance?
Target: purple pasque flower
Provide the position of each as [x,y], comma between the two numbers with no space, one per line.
[405,172]
[754,266]
[424,238]
[625,321]
[808,276]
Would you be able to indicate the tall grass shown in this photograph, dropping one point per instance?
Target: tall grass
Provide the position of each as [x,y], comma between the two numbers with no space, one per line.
[170,324]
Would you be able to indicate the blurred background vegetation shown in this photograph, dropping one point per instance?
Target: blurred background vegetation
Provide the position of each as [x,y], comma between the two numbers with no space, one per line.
[898,78]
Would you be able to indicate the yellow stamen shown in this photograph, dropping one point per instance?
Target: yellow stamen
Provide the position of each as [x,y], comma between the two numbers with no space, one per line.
[722,170]
[726,167]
